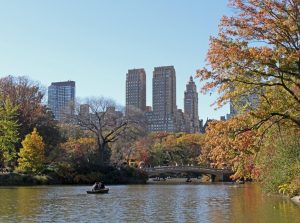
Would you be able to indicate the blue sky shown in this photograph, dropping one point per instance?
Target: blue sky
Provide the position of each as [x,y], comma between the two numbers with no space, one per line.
[95,42]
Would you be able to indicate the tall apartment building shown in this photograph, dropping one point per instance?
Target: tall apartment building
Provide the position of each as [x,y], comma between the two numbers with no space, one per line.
[164,90]
[191,105]
[61,99]
[163,116]
[136,90]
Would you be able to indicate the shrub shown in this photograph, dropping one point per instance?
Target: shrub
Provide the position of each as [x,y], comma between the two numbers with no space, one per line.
[280,165]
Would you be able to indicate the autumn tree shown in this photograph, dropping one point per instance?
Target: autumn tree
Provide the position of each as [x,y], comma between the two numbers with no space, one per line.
[170,148]
[31,155]
[80,153]
[158,153]
[125,148]
[142,150]
[8,133]
[191,145]
[28,97]
[25,94]
[104,123]
[257,52]
[225,146]
[182,148]
[167,146]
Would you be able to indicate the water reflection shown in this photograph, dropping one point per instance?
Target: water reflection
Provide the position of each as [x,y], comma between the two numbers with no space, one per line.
[145,203]
[249,204]
[19,202]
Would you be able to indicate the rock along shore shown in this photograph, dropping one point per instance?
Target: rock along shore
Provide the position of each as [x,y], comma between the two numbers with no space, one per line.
[296,199]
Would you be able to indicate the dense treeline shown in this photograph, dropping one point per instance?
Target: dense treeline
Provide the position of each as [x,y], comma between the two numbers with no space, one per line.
[160,149]
[102,144]
[32,143]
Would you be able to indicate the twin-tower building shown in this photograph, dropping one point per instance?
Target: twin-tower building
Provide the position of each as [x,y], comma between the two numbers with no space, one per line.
[163,116]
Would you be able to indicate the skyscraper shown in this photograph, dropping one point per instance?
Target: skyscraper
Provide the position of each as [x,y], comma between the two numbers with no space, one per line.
[164,90]
[191,105]
[136,89]
[163,116]
[61,98]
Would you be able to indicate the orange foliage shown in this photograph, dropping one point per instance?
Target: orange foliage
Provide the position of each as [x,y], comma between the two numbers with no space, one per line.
[257,52]
[226,145]
[79,151]
[142,150]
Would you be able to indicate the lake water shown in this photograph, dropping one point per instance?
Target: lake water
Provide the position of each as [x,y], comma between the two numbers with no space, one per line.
[146,203]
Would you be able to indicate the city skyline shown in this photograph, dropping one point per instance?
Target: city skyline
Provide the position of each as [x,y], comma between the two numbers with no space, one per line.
[95,43]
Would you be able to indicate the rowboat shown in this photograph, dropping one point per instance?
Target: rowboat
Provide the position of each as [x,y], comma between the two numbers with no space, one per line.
[100,191]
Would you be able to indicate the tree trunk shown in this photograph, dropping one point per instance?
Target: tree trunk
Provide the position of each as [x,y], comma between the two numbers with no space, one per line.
[100,150]
[104,153]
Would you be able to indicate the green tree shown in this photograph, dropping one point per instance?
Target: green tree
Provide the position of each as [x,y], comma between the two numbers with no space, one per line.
[278,164]
[170,148]
[190,144]
[8,133]
[32,156]
[31,112]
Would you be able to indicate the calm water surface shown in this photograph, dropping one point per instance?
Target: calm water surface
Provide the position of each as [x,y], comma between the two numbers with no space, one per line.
[145,203]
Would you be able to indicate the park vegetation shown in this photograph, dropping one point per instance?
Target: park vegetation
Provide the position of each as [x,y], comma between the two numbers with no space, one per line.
[256,55]
[100,143]
[35,148]
[32,154]
[254,63]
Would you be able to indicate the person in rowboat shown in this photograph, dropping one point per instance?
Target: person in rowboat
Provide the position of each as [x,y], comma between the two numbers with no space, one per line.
[96,186]
[102,186]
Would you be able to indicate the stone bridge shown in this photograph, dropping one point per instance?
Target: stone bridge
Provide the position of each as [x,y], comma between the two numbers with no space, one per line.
[216,174]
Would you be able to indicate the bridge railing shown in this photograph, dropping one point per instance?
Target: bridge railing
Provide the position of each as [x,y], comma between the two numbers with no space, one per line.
[157,168]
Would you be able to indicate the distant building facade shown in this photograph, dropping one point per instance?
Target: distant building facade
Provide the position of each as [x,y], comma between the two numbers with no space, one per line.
[84,110]
[136,90]
[183,122]
[61,99]
[243,103]
[191,105]
[164,90]
[163,115]
[148,109]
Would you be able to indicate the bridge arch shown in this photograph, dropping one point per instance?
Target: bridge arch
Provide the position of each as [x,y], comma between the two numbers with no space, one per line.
[216,174]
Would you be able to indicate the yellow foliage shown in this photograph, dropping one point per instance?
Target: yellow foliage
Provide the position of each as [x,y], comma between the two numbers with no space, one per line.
[32,154]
